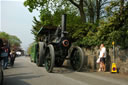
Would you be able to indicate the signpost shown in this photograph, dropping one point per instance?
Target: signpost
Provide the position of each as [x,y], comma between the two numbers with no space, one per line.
[114,68]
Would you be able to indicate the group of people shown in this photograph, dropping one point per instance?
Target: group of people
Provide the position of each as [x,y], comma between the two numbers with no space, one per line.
[102,58]
[6,54]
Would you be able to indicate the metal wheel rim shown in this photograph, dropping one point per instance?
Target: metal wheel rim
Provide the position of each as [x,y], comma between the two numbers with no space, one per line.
[48,61]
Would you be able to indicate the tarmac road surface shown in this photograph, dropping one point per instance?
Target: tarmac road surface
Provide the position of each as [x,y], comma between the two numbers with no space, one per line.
[25,72]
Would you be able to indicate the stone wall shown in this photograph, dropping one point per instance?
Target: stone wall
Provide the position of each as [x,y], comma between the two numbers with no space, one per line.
[91,56]
[121,59]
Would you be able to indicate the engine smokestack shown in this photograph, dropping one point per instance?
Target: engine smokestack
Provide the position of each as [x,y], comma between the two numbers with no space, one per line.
[63,22]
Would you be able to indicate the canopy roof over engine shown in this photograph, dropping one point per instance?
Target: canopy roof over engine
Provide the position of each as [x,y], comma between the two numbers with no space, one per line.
[46,30]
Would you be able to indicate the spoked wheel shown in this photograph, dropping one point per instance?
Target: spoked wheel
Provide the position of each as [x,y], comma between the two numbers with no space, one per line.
[50,58]
[77,58]
[40,54]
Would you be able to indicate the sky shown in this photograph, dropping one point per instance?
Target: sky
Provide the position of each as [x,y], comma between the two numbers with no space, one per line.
[15,19]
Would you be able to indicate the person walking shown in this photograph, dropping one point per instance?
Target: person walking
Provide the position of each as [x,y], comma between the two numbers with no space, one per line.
[102,58]
[5,54]
[12,57]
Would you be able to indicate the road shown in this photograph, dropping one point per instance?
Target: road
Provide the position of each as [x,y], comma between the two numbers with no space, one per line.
[26,73]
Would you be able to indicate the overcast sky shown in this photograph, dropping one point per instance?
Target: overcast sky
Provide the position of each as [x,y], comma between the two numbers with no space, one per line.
[15,19]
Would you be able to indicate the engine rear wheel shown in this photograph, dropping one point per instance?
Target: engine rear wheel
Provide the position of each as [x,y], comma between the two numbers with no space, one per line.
[50,58]
[77,58]
[40,54]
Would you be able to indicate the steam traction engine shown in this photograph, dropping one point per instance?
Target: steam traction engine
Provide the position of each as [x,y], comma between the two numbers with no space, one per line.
[53,48]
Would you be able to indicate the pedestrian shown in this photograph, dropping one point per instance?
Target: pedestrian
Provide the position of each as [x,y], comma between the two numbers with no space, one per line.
[101,59]
[5,54]
[12,57]
[1,45]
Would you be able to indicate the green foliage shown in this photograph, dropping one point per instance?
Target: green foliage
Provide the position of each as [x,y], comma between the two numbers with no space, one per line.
[90,10]
[50,5]
[4,35]
[49,19]
[30,48]
[13,40]
[114,27]
[36,27]
[84,34]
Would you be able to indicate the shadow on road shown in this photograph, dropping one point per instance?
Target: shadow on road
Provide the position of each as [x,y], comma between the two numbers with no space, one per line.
[18,79]
[63,70]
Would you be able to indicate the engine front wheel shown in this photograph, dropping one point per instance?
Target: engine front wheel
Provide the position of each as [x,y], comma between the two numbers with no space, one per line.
[49,58]
[77,58]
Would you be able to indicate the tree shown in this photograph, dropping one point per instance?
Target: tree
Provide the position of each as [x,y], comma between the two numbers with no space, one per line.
[114,28]
[54,4]
[91,8]
[95,9]
[111,28]
[121,6]
[4,35]
[80,5]
[48,19]
[14,41]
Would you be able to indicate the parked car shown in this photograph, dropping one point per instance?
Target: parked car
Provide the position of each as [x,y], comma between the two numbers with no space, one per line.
[18,53]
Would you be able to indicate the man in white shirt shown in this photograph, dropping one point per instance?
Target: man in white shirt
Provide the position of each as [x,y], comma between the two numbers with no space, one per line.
[102,57]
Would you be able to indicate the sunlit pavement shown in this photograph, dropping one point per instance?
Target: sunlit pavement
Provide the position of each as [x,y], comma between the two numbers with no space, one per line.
[26,73]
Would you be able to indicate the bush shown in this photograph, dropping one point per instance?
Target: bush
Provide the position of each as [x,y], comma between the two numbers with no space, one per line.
[114,29]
